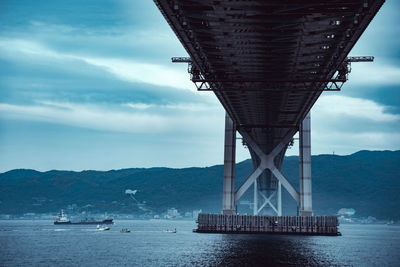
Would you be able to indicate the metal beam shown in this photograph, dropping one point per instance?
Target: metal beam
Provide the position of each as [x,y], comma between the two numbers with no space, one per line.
[246,185]
[228,197]
[279,198]
[267,162]
[267,201]
[255,198]
[305,167]
[331,85]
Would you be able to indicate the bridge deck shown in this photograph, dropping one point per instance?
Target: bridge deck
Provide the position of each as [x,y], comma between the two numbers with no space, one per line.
[267,61]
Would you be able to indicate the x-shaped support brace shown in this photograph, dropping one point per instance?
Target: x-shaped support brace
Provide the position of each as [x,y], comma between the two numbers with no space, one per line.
[267,162]
[267,201]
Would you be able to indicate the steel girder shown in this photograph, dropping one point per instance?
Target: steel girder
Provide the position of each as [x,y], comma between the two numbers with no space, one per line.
[291,41]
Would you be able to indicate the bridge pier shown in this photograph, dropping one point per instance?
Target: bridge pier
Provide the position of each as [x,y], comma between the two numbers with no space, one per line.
[279,198]
[255,200]
[305,167]
[250,224]
[228,196]
[303,199]
[267,162]
[229,222]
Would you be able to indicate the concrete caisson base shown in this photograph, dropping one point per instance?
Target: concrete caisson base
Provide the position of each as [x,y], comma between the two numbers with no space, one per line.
[250,224]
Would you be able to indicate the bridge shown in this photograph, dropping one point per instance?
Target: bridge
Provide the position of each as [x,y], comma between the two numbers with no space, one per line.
[268,62]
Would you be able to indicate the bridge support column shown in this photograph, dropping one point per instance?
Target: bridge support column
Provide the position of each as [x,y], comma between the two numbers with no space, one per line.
[255,203]
[305,167]
[267,162]
[279,199]
[228,198]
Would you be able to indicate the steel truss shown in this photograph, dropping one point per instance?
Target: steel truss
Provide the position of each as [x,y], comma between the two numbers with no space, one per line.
[334,84]
[268,200]
[267,162]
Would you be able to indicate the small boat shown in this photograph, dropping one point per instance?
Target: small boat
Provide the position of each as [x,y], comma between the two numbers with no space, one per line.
[125,230]
[170,231]
[102,228]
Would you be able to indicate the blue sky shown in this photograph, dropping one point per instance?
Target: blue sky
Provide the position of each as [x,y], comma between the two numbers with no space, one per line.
[90,85]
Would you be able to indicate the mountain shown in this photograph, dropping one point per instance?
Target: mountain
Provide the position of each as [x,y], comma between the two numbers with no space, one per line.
[368,181]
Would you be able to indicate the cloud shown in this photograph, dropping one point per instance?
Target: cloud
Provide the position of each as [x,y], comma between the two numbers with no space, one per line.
[374,73]
[53,28]
[192,107]
[85,116]
[347,124]
[344,107]
[114,118]
[139,105]
[123,69]
[346,143]
[131,71]
[17,48]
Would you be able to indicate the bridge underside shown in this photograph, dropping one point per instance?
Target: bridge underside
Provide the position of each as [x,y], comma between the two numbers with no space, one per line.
[268,61]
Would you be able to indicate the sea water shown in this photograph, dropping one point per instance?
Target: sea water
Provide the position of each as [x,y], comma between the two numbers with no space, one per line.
[40,243]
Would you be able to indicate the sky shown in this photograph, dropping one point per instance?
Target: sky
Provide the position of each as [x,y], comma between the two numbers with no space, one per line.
[90,85]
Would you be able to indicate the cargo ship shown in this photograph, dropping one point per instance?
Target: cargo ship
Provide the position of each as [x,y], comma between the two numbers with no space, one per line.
[63,219]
